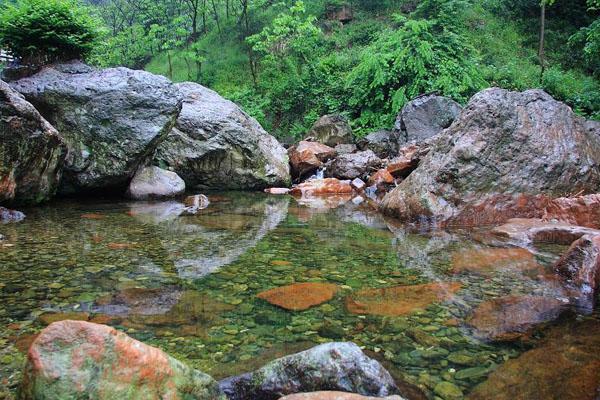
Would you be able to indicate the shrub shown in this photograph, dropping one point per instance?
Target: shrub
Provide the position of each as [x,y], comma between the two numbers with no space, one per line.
[42,31]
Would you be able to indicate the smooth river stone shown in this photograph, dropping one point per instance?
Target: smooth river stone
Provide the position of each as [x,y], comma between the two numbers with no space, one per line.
[400,300]
[508,318]
[299,296]
[489,260]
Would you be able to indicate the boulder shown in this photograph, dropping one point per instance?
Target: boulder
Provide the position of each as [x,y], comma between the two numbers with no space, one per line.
[425,117]
[351,166]
[331,130]
[155,183]
[580,210]
[321,187]
[506,155]
[216,145]
[111,120]
[307,157]
[345,148]
[77,359]
[564,366]
[332,366]
[7,215]
[407,159]
[385,144]
[508,318]
[579,270]
[381,177]
[31,151]
[525,231]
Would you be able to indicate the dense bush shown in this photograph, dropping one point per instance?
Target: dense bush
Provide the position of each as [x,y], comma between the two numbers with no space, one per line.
[41,31]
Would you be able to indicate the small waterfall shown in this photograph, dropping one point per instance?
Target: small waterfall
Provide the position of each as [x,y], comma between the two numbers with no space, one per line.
[320,173]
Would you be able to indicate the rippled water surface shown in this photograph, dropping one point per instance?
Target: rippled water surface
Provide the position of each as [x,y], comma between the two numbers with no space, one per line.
[189,284]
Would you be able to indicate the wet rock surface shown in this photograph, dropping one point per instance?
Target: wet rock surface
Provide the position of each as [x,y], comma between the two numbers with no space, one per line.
[579,269]
[31,151]
[526,231]
[332,366]
[355,165]
[111,120]
[216,145]
[425,117]
[331,130]
[581,210]
[306,157]
[480,172]
[321,187]
[511,317]
[74,359]
[155,183]
[561,368]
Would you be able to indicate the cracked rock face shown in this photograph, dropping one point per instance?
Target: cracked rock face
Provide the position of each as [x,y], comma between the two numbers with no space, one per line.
[31,151]
[111,120]
[505,155]
[215,144]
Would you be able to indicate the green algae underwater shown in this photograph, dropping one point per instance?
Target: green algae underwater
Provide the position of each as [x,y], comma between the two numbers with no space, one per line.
[188,284]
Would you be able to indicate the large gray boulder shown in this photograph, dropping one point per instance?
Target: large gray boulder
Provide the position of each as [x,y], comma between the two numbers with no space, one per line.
[332,366]
[505,155]
[216,145]
[425,117]
[385,144]
[331,130]
[354,165]
[31,151]
[112,120]
[155,183]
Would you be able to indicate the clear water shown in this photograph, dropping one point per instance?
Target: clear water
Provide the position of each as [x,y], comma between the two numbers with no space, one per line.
[188,284]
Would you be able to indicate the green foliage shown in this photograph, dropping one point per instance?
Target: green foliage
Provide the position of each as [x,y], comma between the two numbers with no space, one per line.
[422,55]
[41,31]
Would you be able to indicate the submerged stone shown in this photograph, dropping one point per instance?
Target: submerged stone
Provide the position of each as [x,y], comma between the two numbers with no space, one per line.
[531,230]
[75,359]
[334,396]
[488,260]
[508,318]
[299,296]
[400,300]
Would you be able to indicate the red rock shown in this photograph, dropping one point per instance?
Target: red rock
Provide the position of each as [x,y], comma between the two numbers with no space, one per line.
[400,167]
[320,187]
[508,318]
[489,260]
[381,177]
[121,246]
[307,157]
[299,296]
[579,270]
[334,396]
[564,366]
[76,359]
[526,230]
[581,210]
[400,300]
[277,191]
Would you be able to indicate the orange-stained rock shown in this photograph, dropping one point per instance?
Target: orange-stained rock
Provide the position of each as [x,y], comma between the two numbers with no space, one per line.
[380,177]
[400,300]
[581,210]
[322,187]
[299,296]
[334,396]
[307,157]
[488,260]
[579,270]
[401,167]
[565,366]
[529,230]
[76,359]
[121,246]
[508,318]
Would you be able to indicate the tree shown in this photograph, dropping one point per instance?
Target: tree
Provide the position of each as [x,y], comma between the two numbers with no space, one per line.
[541,55]
[43,31]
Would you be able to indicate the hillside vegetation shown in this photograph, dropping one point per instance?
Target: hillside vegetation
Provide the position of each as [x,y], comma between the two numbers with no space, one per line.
[288,62]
